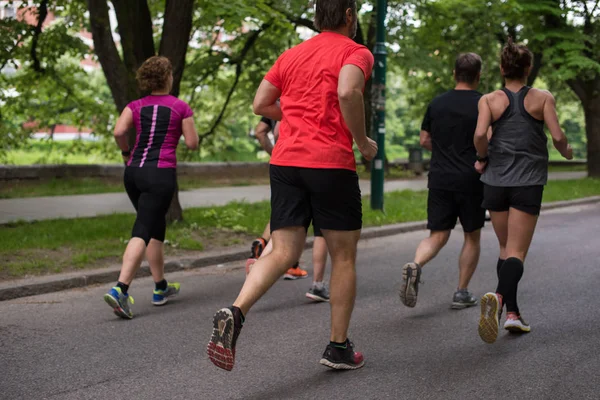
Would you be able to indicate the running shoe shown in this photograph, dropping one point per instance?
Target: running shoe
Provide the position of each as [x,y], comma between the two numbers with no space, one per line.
[318,294]
[516,324]
[295,273]
[342,358]
[489,324]
[409,289]
[227,324]
[161,297]
[463,299]
[119,302]
[249,263]
[257,247]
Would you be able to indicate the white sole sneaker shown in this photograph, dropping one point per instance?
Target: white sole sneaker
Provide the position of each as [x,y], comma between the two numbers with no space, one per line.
[488,322]
[517,326]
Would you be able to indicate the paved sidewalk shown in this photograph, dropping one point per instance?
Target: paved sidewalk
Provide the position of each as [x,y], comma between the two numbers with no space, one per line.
[40,208]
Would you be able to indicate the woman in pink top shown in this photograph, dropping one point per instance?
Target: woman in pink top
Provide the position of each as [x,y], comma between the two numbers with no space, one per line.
[150,176]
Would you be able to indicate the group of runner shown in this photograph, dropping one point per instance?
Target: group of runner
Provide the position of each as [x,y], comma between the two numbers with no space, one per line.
[488,152]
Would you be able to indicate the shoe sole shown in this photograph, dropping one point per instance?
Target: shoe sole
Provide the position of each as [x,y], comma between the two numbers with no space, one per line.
[219,348]
[410,285]
[117,309]
[462,306]
[293,277]
[517,329]
[338,366]
[488,322]
[316,298]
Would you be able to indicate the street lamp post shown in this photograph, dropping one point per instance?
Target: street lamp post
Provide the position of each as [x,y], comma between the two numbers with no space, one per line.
[378,126]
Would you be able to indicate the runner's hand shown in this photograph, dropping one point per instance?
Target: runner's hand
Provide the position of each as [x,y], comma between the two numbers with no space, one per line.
[368,149]
[480,166]
[569,155]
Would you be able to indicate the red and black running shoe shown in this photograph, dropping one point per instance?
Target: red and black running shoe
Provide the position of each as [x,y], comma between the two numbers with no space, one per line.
[258,246]
[342,357]
[227,324]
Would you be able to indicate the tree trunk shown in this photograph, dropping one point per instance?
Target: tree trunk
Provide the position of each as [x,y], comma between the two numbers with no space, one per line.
[592,130]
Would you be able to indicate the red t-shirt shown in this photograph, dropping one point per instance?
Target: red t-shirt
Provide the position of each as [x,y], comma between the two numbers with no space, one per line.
[313,133]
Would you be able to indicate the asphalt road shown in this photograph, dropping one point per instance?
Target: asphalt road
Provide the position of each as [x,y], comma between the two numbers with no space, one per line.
[69,345]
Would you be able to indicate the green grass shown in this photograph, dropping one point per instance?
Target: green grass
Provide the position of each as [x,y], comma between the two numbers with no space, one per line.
[567,168]
[61,245]
[93,185]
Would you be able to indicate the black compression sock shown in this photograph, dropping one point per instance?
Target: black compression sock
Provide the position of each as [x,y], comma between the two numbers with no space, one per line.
[124,288]
[343,345]
[500,262]
[510,275]
[237,310]
[296,265]
[162,285]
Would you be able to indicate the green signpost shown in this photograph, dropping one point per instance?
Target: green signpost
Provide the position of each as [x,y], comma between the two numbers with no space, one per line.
[379,72]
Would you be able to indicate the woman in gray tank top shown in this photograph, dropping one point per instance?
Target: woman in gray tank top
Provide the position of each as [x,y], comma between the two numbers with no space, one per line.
[513,160]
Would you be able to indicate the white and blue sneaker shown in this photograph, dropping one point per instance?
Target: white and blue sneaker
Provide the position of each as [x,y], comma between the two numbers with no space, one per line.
[160,297]
[119,302]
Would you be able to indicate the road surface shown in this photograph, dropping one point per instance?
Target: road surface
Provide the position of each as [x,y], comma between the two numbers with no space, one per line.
[69,345]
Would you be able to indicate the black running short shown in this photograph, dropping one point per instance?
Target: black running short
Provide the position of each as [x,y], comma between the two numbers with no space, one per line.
[524,198]
[444,207]
[150,190]
[330,198]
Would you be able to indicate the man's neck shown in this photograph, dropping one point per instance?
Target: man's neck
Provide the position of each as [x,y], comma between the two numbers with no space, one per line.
[342,31]
[464,86]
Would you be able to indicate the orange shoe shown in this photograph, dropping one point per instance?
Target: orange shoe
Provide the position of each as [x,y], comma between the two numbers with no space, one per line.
[295,273]
[249,263]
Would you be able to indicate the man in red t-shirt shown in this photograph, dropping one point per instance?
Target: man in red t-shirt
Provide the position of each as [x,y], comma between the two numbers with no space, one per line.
[313,173]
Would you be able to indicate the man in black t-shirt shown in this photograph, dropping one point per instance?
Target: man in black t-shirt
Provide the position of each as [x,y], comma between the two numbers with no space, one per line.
[455,191]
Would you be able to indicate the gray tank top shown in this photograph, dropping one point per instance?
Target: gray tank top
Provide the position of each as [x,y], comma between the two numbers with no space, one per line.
[518,150]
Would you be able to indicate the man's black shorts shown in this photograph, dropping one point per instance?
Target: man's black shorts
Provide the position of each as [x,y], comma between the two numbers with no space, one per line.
[444,207]
[329,197]
[524,198]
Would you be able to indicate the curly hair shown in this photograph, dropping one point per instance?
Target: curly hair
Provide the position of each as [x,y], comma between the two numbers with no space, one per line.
[515,60]
[154,74]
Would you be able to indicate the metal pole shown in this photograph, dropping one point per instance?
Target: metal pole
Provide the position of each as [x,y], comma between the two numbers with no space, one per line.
[378,126]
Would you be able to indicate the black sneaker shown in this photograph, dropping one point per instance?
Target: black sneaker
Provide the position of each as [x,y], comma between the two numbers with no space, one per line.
[342,358]
[227,324]
[463,299]
[258,246]
[409,289]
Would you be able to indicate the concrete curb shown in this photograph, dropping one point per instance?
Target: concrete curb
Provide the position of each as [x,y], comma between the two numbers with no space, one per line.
[44,285]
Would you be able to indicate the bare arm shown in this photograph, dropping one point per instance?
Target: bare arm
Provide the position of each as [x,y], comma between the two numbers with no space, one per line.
[262,135]
[124,124]
[484,122]
[190,135]
[558,136]
[265,101]
[350,92]
[425,139]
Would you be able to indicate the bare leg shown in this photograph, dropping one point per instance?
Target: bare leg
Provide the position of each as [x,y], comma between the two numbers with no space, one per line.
[132,259]
[469,257]
[268,250]
[521,227]
[267,232]
[319,259]
[430,247]
[288,244]
[155,257]
[500,224]
[342,247]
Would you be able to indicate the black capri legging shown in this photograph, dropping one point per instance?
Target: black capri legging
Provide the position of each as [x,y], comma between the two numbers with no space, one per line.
[151,190]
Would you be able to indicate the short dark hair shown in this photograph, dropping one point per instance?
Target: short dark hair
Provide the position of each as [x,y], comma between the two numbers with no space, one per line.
[515,60]
[331,14]
[467,67]
[154,73]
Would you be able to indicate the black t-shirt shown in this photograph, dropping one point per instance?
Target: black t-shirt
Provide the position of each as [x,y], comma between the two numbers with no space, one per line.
[451,120]
[269,122]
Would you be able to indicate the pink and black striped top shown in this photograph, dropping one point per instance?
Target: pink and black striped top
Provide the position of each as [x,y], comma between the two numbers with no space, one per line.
[158,124]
